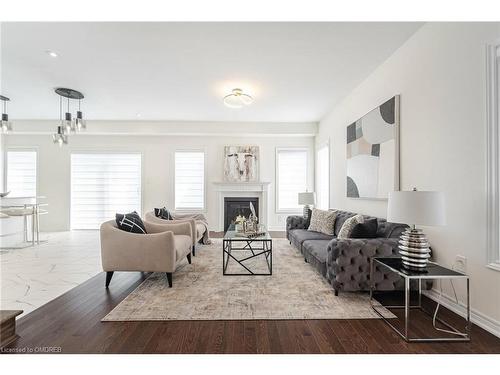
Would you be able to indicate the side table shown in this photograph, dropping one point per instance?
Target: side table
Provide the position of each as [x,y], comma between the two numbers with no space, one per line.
[433,271]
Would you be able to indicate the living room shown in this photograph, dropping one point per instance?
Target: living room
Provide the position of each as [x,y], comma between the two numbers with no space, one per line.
[337,195]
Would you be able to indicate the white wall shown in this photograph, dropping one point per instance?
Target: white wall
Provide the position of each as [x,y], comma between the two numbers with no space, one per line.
[440,74]
[158,153]
[2,137]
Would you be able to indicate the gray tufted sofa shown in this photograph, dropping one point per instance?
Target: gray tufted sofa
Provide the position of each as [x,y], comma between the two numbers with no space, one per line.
[346,262]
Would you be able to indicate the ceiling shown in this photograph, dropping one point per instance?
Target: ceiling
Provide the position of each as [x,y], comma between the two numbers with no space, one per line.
[181,71]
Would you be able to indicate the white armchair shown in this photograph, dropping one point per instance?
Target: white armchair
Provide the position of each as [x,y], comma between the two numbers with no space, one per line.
[197,229]
[160,250]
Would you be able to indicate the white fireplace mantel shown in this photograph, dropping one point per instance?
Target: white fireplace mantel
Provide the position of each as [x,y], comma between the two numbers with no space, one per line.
[243,189]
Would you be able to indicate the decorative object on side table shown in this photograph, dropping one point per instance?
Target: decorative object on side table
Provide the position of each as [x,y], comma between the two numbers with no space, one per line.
[415,207]
[308,198]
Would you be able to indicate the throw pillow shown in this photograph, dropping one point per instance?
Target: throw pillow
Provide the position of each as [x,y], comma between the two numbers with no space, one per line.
[367,229]
[322,221]
[348,226]
[163,213]
[130,222]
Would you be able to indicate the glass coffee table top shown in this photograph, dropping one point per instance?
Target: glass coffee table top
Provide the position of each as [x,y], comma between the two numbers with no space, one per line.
[233,235]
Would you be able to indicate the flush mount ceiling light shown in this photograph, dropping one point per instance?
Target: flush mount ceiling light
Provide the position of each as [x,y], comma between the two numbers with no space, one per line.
[237,99]
[67,124]
[5,124]
[51,53]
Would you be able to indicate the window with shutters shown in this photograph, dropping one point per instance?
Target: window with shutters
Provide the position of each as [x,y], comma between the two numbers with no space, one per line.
[189,180]
[103,184]
[21,173]
[323,177]
[291,178]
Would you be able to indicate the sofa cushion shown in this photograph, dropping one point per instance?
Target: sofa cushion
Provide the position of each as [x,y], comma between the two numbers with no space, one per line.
[301,235]
[130,222]
[323,221]
[182,245]
[315,253]
[342,216]
[348,226]
[366,229]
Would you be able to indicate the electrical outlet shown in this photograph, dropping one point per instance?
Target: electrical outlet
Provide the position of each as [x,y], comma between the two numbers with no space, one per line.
[461,263]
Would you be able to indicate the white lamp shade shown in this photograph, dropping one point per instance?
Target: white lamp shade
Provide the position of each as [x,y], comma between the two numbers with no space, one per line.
[307,198]
[416,207]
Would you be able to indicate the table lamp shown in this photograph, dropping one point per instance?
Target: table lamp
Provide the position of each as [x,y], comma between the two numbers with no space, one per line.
[415,208]
[307,199]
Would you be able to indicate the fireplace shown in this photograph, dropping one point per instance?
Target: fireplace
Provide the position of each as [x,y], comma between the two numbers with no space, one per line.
[234,206]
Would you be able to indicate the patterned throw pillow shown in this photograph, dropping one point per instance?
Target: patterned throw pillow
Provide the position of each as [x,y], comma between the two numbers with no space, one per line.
[131,222]
[163,213]
[323,221]
[348,226]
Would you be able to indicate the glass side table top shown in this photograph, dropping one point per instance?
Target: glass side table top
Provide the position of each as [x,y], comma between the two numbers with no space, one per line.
[432,271]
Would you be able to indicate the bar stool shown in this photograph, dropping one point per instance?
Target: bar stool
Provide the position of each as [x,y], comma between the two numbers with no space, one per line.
[27,210]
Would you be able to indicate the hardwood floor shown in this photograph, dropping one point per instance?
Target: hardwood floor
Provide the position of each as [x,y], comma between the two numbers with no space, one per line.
[72,322]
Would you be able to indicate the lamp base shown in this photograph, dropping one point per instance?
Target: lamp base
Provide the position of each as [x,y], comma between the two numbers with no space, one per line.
[414,249]
[306,210]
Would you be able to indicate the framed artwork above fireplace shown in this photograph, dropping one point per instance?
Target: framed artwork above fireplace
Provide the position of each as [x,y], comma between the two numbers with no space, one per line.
[241,163]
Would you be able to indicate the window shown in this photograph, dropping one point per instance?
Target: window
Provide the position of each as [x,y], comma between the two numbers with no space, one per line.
[323,177]
[493,152]
[189,180]
[291,165]
[102,185]
[21,173]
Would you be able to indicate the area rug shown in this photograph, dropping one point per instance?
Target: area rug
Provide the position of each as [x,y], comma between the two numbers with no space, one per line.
[200,291]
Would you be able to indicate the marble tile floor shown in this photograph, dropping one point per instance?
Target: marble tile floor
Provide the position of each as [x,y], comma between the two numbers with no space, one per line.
[33,276]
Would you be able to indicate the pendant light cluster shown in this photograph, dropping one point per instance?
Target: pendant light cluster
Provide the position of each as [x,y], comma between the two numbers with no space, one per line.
[5,124]
[67,124]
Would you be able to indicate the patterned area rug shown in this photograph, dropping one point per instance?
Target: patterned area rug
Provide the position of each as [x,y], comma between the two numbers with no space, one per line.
[200,292]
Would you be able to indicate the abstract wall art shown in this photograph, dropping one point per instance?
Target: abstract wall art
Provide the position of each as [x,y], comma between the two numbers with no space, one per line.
[373,152]
[241,163]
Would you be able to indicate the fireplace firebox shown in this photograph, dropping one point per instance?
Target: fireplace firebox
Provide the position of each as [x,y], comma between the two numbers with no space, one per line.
[235,206]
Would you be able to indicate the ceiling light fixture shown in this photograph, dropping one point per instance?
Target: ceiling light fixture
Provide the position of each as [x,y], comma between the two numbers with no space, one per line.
[6,125]
[51,53]
[68,125]
[237,99]
[60,138]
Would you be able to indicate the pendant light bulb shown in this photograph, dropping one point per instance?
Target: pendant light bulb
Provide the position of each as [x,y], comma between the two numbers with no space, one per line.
[79,123]
[5,124]
[60,138]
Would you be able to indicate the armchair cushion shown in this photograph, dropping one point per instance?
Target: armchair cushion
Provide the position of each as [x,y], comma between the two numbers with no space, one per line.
[182,244]
[130,222]
[163,213]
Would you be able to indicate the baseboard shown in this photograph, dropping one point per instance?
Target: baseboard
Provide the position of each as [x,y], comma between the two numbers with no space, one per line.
[276,228]
[479,319]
